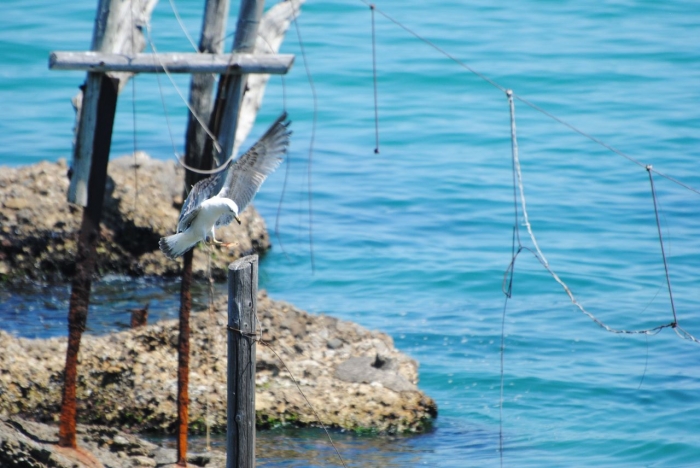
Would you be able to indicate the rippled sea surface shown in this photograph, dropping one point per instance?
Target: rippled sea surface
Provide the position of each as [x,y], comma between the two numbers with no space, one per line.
[415,240]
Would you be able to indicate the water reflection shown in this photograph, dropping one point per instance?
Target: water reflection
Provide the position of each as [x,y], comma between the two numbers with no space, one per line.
[41,311]
[309,447]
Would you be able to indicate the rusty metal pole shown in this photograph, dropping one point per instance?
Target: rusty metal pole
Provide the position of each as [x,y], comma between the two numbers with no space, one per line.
[183,360]
[139,317]
[87,254]
[201,91]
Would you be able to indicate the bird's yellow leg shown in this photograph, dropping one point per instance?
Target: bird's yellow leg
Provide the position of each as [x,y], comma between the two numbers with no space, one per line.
[217,242]
[211,238]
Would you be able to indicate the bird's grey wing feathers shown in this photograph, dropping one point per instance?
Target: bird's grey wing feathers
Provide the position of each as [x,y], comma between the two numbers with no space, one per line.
[247,173]
[201,191]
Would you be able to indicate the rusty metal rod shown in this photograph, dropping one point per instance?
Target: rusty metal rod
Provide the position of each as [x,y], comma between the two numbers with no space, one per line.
[183,360]
[86,258]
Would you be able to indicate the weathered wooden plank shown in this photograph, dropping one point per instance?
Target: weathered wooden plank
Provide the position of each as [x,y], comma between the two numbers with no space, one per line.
[240,410]
[225,64]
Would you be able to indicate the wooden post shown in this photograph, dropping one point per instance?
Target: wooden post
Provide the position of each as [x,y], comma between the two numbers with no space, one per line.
[232,87]
[202,90]
[240,410]
[116,31]
[87,254]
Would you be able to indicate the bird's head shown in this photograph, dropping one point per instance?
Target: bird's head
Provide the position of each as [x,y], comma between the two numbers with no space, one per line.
[233,208]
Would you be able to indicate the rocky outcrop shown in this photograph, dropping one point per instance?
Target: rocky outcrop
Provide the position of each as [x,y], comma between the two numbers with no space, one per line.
[27,444]
[353,378]
[39,228]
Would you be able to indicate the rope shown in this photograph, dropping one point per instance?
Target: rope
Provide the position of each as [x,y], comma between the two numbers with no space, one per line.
[374,76]
[287,159]
[288,162]
[661,242]
[258,338]
[189,106]
[508,275]
[540,257]
[516,165]
[312,140]
[182,26]
[133,108]
[525,101]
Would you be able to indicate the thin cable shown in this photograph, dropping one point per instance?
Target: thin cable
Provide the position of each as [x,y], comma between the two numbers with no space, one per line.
[500,403]
[189,106]
[438,48]
[526,102]
[264,343]
[602,143]
[311,142]
[661,242]
[286,171]
[286,177]
[646,362]
[374,75]
[182,26]
[133,108]
[166,115]
[180,158]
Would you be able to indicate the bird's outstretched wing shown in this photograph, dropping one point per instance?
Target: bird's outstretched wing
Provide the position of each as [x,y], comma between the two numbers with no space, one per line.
[201,191]
[247,173]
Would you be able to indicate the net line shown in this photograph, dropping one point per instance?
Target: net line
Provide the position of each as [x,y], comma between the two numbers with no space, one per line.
[525,101]
[537,253]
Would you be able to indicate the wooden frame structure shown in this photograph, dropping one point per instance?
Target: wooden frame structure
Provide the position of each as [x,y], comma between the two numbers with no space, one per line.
[109,65]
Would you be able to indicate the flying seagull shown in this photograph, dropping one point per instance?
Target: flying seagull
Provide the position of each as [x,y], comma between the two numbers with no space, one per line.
[218,200]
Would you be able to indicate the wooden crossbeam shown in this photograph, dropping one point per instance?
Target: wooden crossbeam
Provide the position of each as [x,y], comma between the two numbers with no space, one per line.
[231,64]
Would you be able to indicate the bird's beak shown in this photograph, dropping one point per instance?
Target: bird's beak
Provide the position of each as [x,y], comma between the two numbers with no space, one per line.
[238,219]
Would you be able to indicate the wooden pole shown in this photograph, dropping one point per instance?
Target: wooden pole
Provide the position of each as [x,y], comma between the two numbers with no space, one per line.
[240,410]
[232,87]
[87,254]
[116,30]
[201,91]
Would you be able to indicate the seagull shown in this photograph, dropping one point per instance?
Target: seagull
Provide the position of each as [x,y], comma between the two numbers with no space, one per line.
[218,200]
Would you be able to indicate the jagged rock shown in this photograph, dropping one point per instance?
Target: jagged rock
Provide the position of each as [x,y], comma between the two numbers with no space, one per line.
[27,444]
[129,379]
[378,369]
[39,228]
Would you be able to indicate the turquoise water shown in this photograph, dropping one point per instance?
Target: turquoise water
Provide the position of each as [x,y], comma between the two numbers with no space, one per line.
[414,241]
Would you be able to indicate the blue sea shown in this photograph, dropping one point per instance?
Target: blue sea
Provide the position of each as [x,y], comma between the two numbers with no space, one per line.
[416,240]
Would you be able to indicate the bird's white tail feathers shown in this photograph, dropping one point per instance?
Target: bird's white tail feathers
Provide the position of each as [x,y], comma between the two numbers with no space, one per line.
[176,245]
